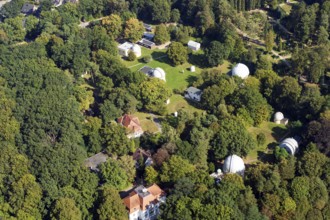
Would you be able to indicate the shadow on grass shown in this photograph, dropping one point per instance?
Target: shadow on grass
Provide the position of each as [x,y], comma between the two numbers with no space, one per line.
[197,60]
[161,56]
[278,133]
[191,80]
[265,157]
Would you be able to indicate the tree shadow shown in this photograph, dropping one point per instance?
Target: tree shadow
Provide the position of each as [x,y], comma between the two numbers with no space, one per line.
[197,60]
[191,79]
[161,56]
[278,133]
[265,157]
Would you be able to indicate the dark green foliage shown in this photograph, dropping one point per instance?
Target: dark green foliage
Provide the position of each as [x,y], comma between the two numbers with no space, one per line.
[131,56]
[261,139]
[161,34]
[231,138]
[216,53]
[147,58]
[177,53]
[113,174]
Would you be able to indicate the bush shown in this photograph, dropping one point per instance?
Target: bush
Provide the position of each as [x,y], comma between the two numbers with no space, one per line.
[131,56]
[147,59]
[261,139]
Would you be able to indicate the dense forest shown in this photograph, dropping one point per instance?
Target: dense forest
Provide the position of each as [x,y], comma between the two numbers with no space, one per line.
[63,85]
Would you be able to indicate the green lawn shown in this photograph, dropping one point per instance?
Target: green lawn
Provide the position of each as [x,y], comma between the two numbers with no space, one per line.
[178,102]
[274,133]
[146,122]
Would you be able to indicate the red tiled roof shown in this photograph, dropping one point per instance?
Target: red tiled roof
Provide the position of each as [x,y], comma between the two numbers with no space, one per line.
[131,122]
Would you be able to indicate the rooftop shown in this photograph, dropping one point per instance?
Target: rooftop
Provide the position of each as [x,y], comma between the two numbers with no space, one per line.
[126,46]
[95,160]
[193,43]
[147,42]
[146,70]
[194,90]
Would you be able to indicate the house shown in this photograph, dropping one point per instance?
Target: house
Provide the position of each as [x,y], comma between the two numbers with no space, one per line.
[132,125]
[195,46]
[193,93]
[148,27]
[146,155]
[126,47]
[28,8]
[143,203]
[147,43]
[94,161]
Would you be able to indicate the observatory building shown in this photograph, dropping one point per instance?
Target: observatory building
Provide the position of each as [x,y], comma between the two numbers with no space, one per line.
[279,118]
[290,144]
[240,70]
[234,164]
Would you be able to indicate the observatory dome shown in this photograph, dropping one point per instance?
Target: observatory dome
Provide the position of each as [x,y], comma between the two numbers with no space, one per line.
[278,116]
[290,144]
[136,50]
[159,73]
[240,70]
[234,164]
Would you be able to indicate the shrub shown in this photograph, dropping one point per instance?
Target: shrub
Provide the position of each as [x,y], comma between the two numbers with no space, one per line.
[131,56]
[261,139]
[147,59]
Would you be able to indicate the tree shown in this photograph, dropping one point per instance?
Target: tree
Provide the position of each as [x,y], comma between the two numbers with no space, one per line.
[323,37]
[111,206]
[175,168]
[287,93]
[231,138]
[131,56]
[160,11]
[25,196]
[261,139]
[128,164]
[312,164]
[177,53]
[270,40]
[113,174]
[319,133]
[113,25]
[150,175]
[115,140]
[216,53]
[311,101]
[161,34]
[133,30]
[65,208]
[175,15]
[153,95]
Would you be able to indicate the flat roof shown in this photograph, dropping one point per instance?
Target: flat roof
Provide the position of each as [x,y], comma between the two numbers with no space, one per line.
[126,46]
[193,43]
[147,42]
[147,26]
[146,70]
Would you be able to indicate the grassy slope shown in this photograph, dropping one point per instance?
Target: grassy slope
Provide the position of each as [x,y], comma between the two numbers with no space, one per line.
[274,133]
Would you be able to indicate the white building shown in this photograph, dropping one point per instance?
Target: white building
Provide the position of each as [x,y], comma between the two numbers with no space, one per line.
[279,118]
[193,93]
[234,164]
[157,72]
[126,47]
[290,144]
[240,70]
[195,46]
[192,69]
[143,203]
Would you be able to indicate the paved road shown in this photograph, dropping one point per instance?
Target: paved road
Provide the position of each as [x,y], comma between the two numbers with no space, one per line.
[85,24]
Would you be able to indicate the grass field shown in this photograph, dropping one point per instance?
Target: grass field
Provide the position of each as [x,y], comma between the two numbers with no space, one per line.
[146,122]
[274,133]
[178,102]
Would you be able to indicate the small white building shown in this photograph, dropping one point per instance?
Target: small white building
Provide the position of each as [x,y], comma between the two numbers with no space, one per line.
[290,145]
[234,164]
[195,46]
[279,118]
[192,69]
[240,70]
[126,47]
[193,93]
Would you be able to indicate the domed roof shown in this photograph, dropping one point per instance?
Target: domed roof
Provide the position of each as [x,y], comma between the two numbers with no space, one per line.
[136,48]
[240,70]
[278,116]
[159,73]
[290,144]
[234,164]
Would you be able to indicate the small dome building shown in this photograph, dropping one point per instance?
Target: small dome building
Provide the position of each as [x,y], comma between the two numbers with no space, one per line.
[159,73]
[240,70]
[234,164]
[136,50]
[278,117]
[290,145]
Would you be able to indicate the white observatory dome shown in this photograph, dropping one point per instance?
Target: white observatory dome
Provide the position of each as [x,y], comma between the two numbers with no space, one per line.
[159,73]
[278,116]
[240,70]
[136,50]
[290,144]
[234,164]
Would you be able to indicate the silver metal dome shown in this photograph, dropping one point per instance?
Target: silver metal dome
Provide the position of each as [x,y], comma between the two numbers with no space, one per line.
[240,70]
[290,144]
[234,164]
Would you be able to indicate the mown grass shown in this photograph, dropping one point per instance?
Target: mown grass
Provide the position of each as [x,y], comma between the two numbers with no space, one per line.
[146,122]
